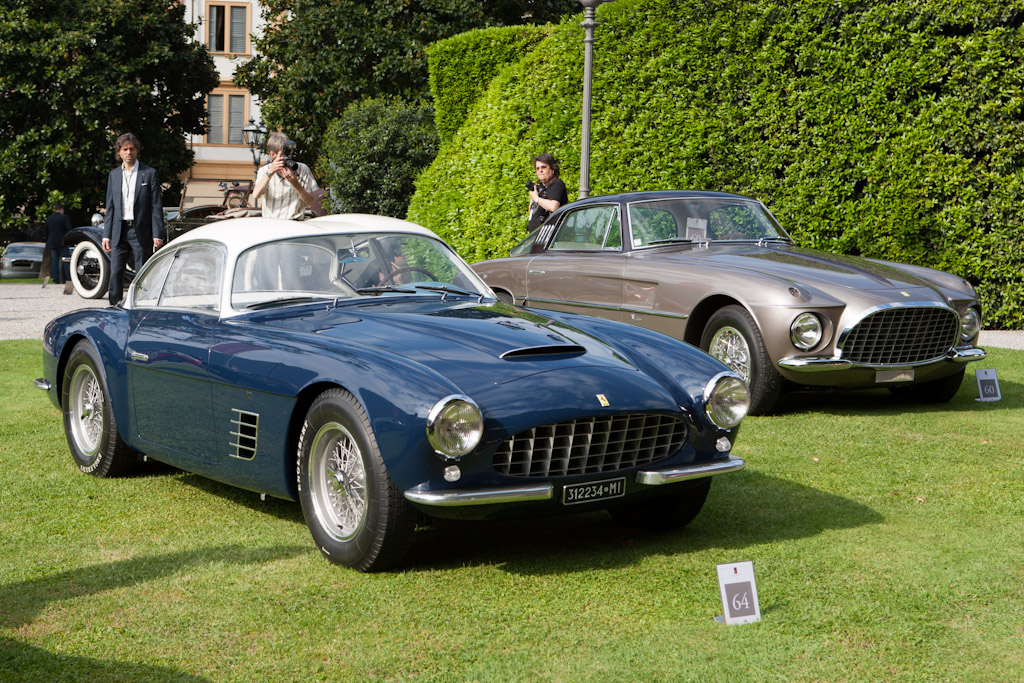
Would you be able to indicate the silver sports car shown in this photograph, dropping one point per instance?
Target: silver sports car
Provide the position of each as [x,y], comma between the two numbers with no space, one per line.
[718,271]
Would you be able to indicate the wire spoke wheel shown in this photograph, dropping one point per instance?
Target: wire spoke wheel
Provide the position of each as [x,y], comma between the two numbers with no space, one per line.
[729,346]
[732,337]
[338,480]
[355,513]
[86,410]
[89,424]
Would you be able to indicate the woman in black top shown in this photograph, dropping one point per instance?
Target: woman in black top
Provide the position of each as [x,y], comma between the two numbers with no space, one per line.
[548,193]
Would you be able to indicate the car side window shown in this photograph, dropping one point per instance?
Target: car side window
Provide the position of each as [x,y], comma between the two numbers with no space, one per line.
[194,278]
[591,228]
[148,285]
[651,224]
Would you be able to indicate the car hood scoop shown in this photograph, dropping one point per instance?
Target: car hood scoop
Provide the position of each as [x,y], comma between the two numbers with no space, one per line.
[493,342]
[534,352]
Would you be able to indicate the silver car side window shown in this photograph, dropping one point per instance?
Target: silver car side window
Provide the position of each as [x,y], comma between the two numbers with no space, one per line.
[587,229]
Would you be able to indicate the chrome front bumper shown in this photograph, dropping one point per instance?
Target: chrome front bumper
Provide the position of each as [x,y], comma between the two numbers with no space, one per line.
[803,364]
[536,492]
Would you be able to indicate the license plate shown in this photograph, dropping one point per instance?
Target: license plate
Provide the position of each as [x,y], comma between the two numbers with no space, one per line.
[597,490]
[882,376]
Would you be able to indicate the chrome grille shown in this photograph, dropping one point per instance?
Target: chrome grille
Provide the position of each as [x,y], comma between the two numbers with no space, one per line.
[902,335]
[599,444]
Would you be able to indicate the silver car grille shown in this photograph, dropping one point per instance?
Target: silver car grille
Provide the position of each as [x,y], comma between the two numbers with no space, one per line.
[598,444]
[902,335]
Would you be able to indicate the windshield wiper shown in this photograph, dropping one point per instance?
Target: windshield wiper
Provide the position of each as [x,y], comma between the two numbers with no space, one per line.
[384,288]
[672,240]
[449,289]
[288,301]
[765,240]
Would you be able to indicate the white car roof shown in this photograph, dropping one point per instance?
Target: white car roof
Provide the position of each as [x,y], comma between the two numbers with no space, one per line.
[239,234]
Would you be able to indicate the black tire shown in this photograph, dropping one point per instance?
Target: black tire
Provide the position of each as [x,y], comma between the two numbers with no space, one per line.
[89,423]
[504,297]
[937,391]
[668,512]
[90,270]
[732,337]
[356,515]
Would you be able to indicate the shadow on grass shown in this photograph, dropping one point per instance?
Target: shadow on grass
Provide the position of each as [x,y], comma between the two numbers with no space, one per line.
[872,402]
[20,662]
[744,509]
[24,600]
[281,509]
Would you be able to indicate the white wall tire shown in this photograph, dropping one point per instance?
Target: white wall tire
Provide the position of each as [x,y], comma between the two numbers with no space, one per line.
[90,270]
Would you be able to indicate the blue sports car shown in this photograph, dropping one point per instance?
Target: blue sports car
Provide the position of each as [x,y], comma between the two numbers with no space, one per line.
[356,364]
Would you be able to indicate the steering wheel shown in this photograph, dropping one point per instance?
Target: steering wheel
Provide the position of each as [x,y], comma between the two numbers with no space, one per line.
[399,271]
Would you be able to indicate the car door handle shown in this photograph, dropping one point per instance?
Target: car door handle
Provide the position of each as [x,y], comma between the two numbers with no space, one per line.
[536,272]
[135,355]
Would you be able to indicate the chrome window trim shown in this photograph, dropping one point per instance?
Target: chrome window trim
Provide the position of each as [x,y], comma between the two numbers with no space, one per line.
[604,307]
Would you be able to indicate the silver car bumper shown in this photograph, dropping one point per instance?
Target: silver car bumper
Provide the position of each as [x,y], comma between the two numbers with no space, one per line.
[536,492]
[800,364]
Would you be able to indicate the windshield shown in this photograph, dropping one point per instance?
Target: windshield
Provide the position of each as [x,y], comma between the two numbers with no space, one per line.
[701,219]
[349,266]
[24,250]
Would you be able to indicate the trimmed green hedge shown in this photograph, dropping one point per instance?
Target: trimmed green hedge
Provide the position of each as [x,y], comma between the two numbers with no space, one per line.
[889,129]
[461,68]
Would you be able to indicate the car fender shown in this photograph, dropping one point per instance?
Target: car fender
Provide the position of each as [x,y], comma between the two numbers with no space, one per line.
[397,393]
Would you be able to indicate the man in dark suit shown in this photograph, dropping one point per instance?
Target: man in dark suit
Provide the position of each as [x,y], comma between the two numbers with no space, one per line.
[134,223]
[55,228]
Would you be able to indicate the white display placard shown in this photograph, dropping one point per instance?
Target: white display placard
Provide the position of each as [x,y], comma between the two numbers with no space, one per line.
[988,385]
[696,229]
[739,593]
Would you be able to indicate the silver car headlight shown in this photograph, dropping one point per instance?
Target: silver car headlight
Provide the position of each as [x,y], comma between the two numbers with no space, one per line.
[970,324]
[455,425]
[726,400]
[805,331]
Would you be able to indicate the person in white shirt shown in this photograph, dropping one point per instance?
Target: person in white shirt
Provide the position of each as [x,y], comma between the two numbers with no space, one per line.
[134,222]
[289,185]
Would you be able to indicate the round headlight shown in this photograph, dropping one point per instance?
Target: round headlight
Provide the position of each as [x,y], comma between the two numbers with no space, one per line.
[805,331]
[455,426]
[970,324]
[726,400]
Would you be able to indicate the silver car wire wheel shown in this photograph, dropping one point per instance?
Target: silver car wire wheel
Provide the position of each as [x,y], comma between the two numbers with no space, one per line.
[730,347]
[338,481]
[87,410]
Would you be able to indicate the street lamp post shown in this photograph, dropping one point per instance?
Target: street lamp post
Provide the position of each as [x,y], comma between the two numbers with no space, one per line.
[254,135]
[589,23]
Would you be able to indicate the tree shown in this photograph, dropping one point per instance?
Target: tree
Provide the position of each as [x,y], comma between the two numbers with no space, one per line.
[74,74]
[373,152]
[316,58]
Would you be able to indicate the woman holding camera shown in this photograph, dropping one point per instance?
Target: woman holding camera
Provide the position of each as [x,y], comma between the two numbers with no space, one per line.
[548,193]
[289,184]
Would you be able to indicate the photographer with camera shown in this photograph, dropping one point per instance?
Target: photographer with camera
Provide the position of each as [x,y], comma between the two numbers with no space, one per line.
[289,184]
[548,193]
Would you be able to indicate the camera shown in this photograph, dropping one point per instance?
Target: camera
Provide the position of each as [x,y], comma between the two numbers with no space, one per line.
[291,165]
[530,186]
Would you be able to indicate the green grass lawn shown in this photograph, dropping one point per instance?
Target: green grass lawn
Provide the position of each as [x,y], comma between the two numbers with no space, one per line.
[887,541]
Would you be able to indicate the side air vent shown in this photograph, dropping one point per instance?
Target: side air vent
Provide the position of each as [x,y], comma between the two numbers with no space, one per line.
[245,428]
[558,350]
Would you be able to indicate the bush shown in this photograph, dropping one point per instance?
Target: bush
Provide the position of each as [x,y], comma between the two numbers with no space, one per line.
[892,129]
[372,154]
[461,68]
